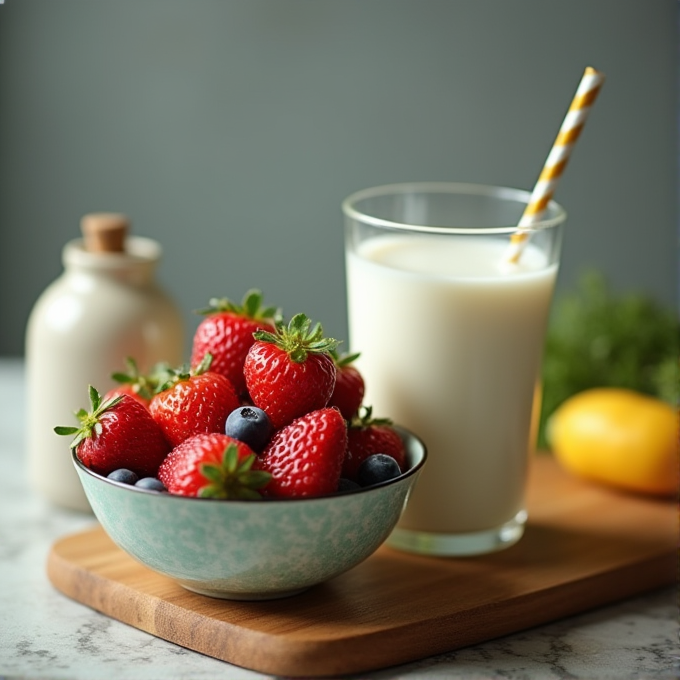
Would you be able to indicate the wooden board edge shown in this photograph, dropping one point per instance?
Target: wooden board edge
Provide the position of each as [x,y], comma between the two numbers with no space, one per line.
[154,615]
[413,642]
[280,655]
[167,621]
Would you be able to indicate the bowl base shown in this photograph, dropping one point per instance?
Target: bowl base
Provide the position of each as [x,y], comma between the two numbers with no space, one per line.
[244,596]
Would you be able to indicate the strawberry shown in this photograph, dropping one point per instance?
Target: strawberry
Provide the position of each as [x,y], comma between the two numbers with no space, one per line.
[348,392]
[117,433]
[305,457]
[192,402]
[290,372]
[212,466]
[126,391]
[366,436]
[227,334]
[136,385]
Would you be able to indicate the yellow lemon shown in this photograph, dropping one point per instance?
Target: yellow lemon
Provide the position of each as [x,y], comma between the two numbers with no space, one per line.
[619,437]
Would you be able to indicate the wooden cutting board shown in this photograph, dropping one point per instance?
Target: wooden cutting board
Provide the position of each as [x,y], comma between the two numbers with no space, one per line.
[584,546]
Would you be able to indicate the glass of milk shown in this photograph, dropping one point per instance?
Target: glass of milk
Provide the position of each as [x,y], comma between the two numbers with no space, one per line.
[451,337]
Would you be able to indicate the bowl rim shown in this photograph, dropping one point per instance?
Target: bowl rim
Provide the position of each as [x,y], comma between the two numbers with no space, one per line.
[405,434]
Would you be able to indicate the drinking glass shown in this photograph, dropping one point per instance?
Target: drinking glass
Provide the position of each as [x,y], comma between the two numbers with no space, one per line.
[450,333]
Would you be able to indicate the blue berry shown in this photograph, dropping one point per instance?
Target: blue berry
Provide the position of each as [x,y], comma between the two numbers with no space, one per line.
[124,476]
[345,485]
[249,425]
[377,468]
[150,484]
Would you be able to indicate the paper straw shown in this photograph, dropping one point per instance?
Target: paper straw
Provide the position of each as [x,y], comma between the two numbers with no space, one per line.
[569,132]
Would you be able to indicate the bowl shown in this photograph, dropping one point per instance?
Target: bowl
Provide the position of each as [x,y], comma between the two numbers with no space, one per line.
[251,549]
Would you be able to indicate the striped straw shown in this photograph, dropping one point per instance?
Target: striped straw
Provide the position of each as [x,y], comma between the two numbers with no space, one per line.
[571,128]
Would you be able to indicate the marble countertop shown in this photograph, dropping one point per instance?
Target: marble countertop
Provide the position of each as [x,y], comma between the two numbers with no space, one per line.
[43,634]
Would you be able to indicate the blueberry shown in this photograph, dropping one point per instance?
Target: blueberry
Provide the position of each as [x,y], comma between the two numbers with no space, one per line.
[124,476]
[377,468]
[345,485]
[249,425]
[150,484]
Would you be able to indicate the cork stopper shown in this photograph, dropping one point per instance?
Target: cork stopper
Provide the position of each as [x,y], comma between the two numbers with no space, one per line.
[104,232]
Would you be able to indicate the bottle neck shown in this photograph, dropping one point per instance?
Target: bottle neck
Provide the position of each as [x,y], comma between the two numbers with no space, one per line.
[135,266]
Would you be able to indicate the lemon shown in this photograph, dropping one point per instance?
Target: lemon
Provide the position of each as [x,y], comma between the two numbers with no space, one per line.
[618,437]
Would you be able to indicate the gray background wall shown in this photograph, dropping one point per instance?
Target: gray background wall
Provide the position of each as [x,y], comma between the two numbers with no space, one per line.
[231,131]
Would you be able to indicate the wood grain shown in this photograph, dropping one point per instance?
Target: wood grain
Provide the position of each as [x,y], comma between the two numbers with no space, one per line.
[584,546]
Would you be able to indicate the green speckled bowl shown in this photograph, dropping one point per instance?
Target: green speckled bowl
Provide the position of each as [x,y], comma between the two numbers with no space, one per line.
[251,550]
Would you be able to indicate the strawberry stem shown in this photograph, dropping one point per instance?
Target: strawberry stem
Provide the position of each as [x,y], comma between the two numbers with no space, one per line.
[341,360]
[144,385]
[184,372]
[364,418]
[250,307]
[89,421]
[233,478]
[299,338]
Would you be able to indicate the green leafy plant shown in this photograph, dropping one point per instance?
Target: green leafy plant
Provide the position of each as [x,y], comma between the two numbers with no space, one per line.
[598,339]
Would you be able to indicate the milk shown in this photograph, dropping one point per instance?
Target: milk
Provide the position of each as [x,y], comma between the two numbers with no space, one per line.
[451,342]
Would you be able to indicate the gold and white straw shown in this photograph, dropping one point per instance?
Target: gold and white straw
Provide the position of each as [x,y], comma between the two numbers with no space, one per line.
[569,132]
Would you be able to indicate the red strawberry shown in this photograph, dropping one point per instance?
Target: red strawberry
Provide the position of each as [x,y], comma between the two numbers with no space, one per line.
[193,402]
[305,457]
[227,334]
[290,372]
[367,435]
[126,391]
[349,386]
[117,433]
[212,466]
[136,385]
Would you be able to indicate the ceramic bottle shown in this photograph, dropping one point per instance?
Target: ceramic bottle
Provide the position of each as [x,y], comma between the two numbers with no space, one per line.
[106,306]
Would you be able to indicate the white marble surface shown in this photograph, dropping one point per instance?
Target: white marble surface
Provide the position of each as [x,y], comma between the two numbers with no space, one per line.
[43,634]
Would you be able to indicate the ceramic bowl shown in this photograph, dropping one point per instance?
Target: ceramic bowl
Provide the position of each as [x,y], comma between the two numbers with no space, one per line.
[256,549]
